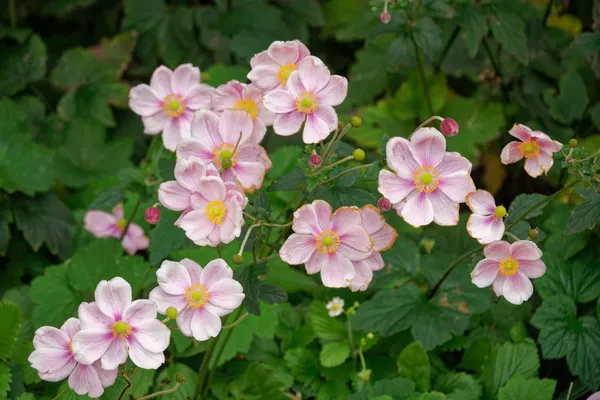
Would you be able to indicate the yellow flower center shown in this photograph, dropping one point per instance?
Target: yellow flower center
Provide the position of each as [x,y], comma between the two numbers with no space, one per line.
[426,179]
[335,306]
[500,212]
[285,72]
[173,105]
[224,157]
[121,224]
[327,242]
[249,106]
[509,266]
[121,329]
[196,295]
[307,103]
[529,149]
[215,211]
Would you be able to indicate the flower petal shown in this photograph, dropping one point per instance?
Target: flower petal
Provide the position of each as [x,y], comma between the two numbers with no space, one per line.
[115,355]
[313,74]
[495,234]
[161,81]
[193,268]
[189,171]
[328,115]
[453,162]
[234,123]
[249,175]
[140,312]
[334,93]
[498,284]
[91,317]
[485,272]
[418,210]
[545,160]
[153,335]
[173,196]
[532,268]
[517,288]
[155,123]
[279,101]
[481,202]
[384,238]
[497,250]
[355,244]
[144,101]
[525,250]
[521,132]
[315,129]
[197,226]
[90,345]
[49,337]
[550,146]
[400,158]
[165,300]
[457,186]
[394,187]
[173,277]
[194,148]
[85,380]
[113,297]
[305,220]
[445,211]
[184,320]
[288,124]
[364,276]
[533,167]
[336,270]
[345,218]
[510,153]
[199,96]
[184,76]
[142,357]
[283,52]
[294,84]
[372,220]
[177,129]
[71,327]
[428,146]
[107,377]
[264,76]
[226,293]
[99,223]
[205,324]
[298,248]
[52,364]
[324,212]
[215,271]
[480,226]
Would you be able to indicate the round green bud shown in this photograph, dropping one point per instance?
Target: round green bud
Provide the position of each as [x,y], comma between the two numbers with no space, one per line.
[500,212]
[180,378]
[172,313]
[358,154]
[573,143]
[365,375]
[226,163]
[533,234]
[356,121]
[238,259]
[370,335]
[356,304]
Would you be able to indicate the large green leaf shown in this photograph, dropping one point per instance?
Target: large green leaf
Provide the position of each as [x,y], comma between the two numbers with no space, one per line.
[259,382]
[5,379]
[396,388]
[509,360]
[21,65]
[473,21]
[410,102]
[413,363]
[10,322]
[165,237]
[570,103]
[509,29]
[334,354]
[326,327]
[519,388]
[521,206]
[304,364]
[458,386]
[586,215]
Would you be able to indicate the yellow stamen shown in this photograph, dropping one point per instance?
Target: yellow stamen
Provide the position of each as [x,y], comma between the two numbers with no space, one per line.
[426,179]
[173,105]
[327,242]
[249,106]
[285,72]
[196,295]
[307,103]
[529,149]
[509,266]
[121,329]
[215,211]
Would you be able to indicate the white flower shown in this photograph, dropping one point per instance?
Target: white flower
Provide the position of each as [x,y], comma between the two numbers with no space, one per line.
[335,306]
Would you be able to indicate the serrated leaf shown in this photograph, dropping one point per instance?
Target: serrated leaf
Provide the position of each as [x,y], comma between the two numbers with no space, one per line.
[166,380]
[22,65]
[519,388]
[473,21]
[10,322]
[326,327]
[165,237]
[5,379]
[586,215]
[509,360]
[396,388]
[334,354]
[458,386]
[509,30]
[520,206]
[413,363]
[288,182]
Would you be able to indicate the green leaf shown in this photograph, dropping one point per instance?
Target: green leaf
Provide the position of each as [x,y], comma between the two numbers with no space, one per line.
[571,102]
[44,220]
[509,360]
[396,388]
[143,15]
[521,205]
[333,390]
[410,103]
[563,334]
[165,237]
[326,327]
[402,51]
[429,39]
[21,65]
[473,21]
[166,380]
[434,323]
[5,379]
[259,382]
[289,278]
[509,30]
[586,215]
[519,388]
[10,322]
[219,74]
[458,386]
[413,363]
[303,363]
[585,45]
[288,182]
[334,354]
[247,276]
[340,196]
[6,218]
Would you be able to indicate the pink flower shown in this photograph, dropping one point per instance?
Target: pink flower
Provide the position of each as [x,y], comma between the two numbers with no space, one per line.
[216,215]
[102,225]
[113,327]
[213,141]
[327,243]
[310,94]
[486,224]
[383,236]
[509,267]
[535,146]
[54,360]
[168,104]
[177,195]
[427,183]
[272,67]
[594,396]
[240,96]
[201,296]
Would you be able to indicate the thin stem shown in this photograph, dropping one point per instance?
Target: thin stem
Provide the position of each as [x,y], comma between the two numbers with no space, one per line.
[293,199]
[449,43]
[450,268]
[422,72]
[156,394]
[58,396]
[511,235]
[276,225]
[343,160]
[350,338]
[137,205]
[219,251]
[426,122]
[204,368]
[547,13]
[124,376]
[262,260]
[237,144]
[345,173]
[13,14]
[334,143]
[240,319]
[246,238]
[597,153]
[362,359]
[569,392]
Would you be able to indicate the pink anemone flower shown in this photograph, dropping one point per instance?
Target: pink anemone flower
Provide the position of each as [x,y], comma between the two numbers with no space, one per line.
[383,236]
[535,146]
[310,95]
[214,141]
[201,295]
[167,105]
[113,328]
[54,360]
[486,224]
[509,267]
[272,67]
[102,225]
[427,183]
[327,243]
[240,96]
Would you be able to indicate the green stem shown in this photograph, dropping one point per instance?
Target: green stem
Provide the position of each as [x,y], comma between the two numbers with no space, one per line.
[450,268]
[343,160]
[237,321]
[422,72]
[345,173]
[585,159]
[246,238]
[13,14]
[511,235]
[333,144]
[362,359]
[156,394]
[449,43]
[124,376]
[262,260]
[350,336]
[547,13]
[137,205]
[204,368]
[570,390]
[58,396]
[426,122]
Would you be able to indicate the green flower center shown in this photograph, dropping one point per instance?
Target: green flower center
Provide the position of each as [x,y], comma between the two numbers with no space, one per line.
[197,295]
[529,148]
[121,224]
[120,327]
[327,240]
[216,211]
[426,178]
[306,102]
[500,212]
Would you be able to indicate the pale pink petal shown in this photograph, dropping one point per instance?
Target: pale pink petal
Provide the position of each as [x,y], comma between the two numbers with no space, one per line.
[545,160]
[253,152]
[393,187]
[262,58]
[498,284]
[53,365]
[153,335]
[315,129]
[212,188]
[457,186]
[400,158]
[313,265]
[189,171]
[384,238]
[510,153]
[264,76]
[302,50]
[177,129]
[184,76]
[485,272]
[480,226]
[521,132]
[533,167]
[85,380]
[107,377]
[215,271]
[453,162]
[334,93]
[91,317]
[161,81]
[100,223]
[165,300]
[118,211]
[497,250]
[155,123]
[550,146]
[132,243]
[193,268]
[363,277]
[279,101]
[144,101]
[517,288]
[283,52]
[142,357]
[305,220]
[205,128]
[71,327]
[355,244]
[259,129]
[445,210]
[199,96]
[115,355]
[324,212]
[173,277]
[90,345]
[313,73]
[194,148]
[336,270]
[205,324]
[298,248]
[184,320]
[140,312]
[196,225]
[294,84]
[428,146]
[234,123]
[418,210]
[495,234]
[481,202]
[345,218]
[226,293]
[372,220]
[173,196]
[113,297]
[328,115]
[532,268]
[249,175]
[525,250]
[50,337]
[288,124]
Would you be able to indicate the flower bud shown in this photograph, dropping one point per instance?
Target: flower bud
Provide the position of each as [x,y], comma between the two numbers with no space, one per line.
[370,335]
[180,378]
[573,143]
[384,204]
[358,154]
[152,215]
[532,234]
[356,121]
[449,127]
[172,313]
[315,160]
[238,259]
[428,245]
[385,17]
[365,375]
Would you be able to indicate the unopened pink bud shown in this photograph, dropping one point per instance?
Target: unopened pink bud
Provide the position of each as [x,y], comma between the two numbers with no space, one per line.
[384,204]
[385,17]
[315,161]
[152,215]
[449,127]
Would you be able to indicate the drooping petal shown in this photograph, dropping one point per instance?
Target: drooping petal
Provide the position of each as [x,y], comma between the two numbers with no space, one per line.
[497,250]
[345,218]
[173,277]
[249,175]
[355,244]
[283,52]
[177,129]
[372,220]
[305,220]
[510,153]
[453,162]
[336,270]
[226,293]
[85,380]
[418,210]
[457,186]
[196,225]
[384,238]
[193,268]
[153,335]
[533,167]
[155,123]
[521,132]
[313,73]
[324,212]
[264,76]
[315,129]
[485,272]
[288,124]
[91,317]
[161,81]
[184,77]
[215,271]
[90,345]
[279,101]
[115,355]
[165,300]
[71,327]
[234,123]
[142,357]
[481,202]
[113,297]
[199,96]
[393,187]
[144,101]
[517,288]
[550,146]
[532,268]
[400,158]
[428,146]
[328,115]
[99,223]
[480,226]
[107,377]
[173,196]
[496,233]
[334,93]
[545,160]
[363,276]
[525,250]
[205,324]
[50,337]
[298,248]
